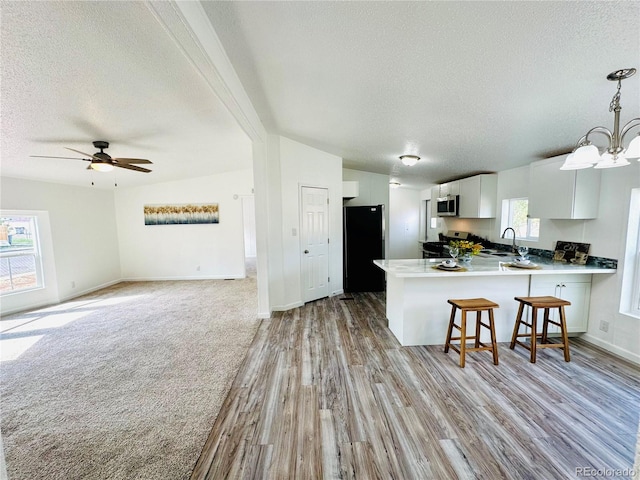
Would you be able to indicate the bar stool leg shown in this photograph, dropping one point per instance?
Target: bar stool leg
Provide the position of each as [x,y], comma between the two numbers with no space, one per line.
[494,344]
[534,329]
[565,337]
[450,330]
[478,324]
[545,326]
[463,337]
[516,327]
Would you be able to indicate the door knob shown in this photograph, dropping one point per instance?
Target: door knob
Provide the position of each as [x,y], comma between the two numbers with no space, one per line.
[306,251]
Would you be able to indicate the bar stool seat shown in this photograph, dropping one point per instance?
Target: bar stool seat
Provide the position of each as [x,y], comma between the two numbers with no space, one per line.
[477,305]
[546,303]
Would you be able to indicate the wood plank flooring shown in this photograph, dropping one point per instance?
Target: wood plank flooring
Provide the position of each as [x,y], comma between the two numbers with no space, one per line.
[327,392]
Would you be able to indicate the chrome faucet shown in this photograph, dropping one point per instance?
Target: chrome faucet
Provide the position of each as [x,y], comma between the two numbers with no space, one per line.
[514,247]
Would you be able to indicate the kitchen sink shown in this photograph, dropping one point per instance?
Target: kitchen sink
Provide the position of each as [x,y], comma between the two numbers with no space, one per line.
[495,253]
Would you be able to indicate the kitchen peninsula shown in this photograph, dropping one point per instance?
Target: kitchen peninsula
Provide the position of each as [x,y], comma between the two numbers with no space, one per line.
[417,293]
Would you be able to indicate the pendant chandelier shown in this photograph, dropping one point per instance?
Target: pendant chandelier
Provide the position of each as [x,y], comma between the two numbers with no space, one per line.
[587,155]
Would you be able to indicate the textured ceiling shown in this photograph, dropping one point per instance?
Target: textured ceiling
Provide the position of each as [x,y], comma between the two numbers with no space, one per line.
[468,86]
[74,72]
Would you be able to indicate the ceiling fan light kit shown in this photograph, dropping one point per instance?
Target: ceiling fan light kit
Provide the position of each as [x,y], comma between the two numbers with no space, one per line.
[100,166]
[587,155]
[409,160]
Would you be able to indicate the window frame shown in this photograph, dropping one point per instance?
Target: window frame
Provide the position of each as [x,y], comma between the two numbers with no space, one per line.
[35,251]
[506,219]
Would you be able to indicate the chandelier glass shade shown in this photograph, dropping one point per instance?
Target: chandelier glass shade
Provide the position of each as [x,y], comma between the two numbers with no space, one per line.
[587,155]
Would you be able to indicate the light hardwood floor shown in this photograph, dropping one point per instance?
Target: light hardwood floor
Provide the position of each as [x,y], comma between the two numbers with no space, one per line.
[326,391]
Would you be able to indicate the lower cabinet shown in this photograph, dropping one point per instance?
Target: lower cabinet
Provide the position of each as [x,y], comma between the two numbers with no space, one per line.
[573,288]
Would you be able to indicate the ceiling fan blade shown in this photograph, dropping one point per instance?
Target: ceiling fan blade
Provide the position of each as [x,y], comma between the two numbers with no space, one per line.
[87,154]
[66,158]
[131,160]
[132,167]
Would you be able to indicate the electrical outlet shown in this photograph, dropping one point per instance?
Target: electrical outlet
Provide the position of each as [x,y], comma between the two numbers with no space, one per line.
[198,268]
[73,284]
[604,326]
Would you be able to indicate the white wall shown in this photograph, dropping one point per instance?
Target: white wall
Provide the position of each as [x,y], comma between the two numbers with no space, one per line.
[373,190]
[607,235]
[160,252]
[83,238]
[293,165]
[433,234]
[404,223]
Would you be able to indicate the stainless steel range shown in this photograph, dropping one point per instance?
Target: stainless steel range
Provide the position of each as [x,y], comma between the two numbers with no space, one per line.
[441,249]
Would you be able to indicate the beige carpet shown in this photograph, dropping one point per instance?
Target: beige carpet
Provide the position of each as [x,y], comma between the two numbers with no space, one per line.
[124,383]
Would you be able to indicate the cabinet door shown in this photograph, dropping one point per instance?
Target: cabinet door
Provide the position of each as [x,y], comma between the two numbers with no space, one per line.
[551,190]
[574,288]
[450,188]
[469,197]
[578,293]
[563,194]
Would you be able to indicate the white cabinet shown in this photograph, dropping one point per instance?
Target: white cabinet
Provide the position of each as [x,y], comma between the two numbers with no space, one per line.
[573,288]
[478,196]
[435,194]
[563,194]
[450,189]
[350,189]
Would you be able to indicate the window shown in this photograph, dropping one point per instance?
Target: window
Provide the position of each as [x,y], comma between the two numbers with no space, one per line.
[630,297]
[20,265]
[635,305]
[515,215]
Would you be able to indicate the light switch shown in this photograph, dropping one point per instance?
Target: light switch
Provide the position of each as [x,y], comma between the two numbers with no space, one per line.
[294,232]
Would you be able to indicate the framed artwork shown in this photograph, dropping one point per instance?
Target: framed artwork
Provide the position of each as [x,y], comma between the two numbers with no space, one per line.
[181,214]
[571,252]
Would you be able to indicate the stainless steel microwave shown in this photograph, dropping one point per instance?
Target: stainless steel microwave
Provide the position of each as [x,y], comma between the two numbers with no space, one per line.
[448,206]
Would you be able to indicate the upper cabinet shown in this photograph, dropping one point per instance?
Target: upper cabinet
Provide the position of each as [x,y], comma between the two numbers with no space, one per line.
[478,196]
[563,194]
[350,189]
[449,189]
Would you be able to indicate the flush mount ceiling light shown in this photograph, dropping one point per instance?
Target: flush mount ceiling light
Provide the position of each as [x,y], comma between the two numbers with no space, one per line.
[409,160]
[586,154]
[394,184]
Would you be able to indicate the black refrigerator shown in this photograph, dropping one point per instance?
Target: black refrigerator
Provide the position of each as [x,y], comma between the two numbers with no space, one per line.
[364,234]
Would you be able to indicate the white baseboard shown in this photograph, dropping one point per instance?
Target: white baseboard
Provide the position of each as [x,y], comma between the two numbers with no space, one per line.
[621,352]
[283,308]
[88,290]
[165,279]
[336,293]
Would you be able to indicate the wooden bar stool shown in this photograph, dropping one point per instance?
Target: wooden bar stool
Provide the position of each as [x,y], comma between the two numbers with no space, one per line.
[545,303]
[477,305]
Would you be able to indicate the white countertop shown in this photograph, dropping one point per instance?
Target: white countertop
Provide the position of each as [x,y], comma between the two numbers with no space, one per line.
[482,266]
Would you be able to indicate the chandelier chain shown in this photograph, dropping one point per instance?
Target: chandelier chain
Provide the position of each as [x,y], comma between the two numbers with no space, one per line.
[615,101]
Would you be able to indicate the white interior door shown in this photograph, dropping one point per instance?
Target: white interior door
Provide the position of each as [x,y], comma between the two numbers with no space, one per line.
[314,238]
